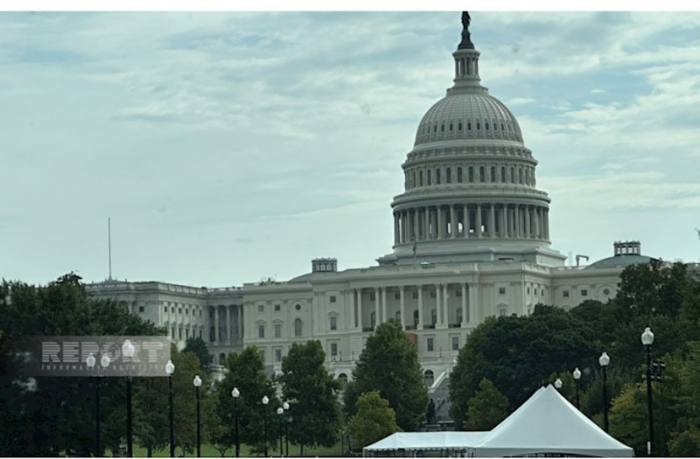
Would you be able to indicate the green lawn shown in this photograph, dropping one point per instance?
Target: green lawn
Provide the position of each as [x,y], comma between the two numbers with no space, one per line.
[209,451]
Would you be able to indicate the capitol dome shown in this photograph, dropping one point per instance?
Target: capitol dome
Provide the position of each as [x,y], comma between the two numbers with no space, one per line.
[470,191]
[468,114]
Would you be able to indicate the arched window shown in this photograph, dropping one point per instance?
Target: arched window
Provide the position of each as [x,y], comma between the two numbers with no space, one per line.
[297,328]
[451,127]
[413,182]
[442,128]
[448,177]
[503,174]
[459,126]
[471,174]
[482,174]
[343,379]
[437,176]
[433,316]
[493,174]
[469,125]
[428,377]
[459,174]
[520,174]
[420,178]
[429,176]
[512,175]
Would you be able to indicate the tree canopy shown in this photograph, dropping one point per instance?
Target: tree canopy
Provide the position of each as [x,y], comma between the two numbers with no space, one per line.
[389,364]
[373,420]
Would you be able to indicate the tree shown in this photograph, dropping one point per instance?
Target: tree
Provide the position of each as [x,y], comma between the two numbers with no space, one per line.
[508,351]
[374,419]
[628,418]
[198,347]
[313,392]
[52,416]
[487,408]
[389,364]
[184,399]
[151,413]
[247,373]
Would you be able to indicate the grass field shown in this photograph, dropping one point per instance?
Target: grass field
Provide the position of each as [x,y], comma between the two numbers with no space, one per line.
[209,451]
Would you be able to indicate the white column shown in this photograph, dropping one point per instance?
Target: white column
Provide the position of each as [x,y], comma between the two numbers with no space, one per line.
[228,324]
[426,223]
[453,222]
[240,323]
[536,214]
[471,311]
[438,305]
[518,225]
[376,306]
[527,222]
[546,224]
[466,221]
[396,228]
[216,321]
[384,317]
[492,221]
[445,313]
[403,309]
[505,220]
[420,307]
[416,224]
[478,220]
[359,306]
[440,222]
[464,305]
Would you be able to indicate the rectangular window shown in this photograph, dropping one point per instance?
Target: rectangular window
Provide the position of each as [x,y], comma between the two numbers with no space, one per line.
[334,349]
[166,309]
[278,355]
[501,290]
[334,323]
[332,298]
[261,331]
[432,294]
[179,333]
[277,308]
[261,308]
[566,294]
[278,330]
[415,295]
[458,293]
[140,308]
[455,343]
[430,344]
[584,292]
[502,312]
[200,313]
[179,310]
[371,296]
[528,290]
[262,354]
[397,295]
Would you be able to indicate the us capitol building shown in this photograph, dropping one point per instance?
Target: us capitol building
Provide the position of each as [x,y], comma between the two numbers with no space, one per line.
[471,240]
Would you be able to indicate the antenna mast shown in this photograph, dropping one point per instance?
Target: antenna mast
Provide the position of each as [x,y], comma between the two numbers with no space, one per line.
[109,245]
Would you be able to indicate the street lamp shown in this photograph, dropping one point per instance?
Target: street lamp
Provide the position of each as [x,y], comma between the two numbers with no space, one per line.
[197,384]
[285,405]
[280,411]
[128,353]
[647,341]
[604,361]
[104,362]
[169,370]
[265,401]
[577,380]
[558,383]
[235,394]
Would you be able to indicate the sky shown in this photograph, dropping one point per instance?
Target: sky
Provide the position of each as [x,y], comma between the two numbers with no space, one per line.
[233,147]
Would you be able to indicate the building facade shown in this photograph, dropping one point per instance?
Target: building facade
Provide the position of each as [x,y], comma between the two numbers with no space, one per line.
[471,240]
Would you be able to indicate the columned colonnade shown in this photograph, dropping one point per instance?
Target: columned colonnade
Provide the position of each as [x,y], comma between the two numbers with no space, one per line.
[422,299]
[226,324]
[490,220]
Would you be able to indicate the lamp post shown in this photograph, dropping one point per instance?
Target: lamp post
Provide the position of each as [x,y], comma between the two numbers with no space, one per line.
[169,370]
[197,384]
[128,353]
[558,383]
[104,362]
[647,341]
[577,380]
[235,393]
[265,401]
[285,405]
[280,411]
[604,361]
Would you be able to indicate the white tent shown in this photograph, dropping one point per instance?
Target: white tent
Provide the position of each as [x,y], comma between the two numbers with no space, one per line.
[547,424]
[453,444]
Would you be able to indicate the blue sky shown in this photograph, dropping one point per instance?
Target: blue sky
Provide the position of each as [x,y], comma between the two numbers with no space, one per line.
[231,147]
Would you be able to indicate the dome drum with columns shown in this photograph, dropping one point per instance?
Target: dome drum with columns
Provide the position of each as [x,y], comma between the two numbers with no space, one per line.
[470,189]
